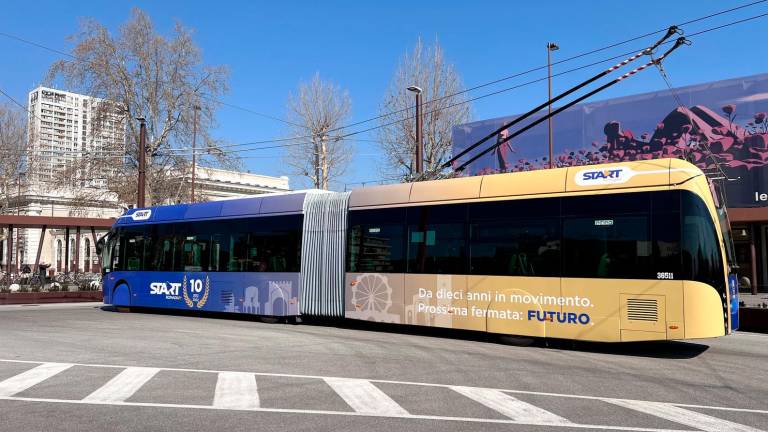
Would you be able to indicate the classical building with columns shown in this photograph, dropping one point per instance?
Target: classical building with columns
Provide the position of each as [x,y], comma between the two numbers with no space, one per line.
[60,131]
[38,199]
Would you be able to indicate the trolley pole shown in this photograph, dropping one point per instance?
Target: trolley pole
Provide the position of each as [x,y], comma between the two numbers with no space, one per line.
[551,46]
[142,162]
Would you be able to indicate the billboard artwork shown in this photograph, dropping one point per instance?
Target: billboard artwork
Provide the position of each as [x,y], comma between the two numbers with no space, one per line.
[722,127]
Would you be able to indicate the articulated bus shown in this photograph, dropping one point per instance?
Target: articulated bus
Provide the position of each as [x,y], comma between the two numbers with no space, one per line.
[618,252]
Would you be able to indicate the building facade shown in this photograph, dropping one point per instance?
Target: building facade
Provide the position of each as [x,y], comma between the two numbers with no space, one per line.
[213,184]
[63,128]
[722,127]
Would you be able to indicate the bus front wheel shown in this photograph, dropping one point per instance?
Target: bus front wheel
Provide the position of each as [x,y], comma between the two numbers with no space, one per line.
[121,296]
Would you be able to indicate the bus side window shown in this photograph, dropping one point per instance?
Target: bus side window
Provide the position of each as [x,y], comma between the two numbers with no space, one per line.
[375,241]
[515,238]
[437,239]
[607,236]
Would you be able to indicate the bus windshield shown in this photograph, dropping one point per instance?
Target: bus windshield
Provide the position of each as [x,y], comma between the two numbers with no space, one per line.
[106,248]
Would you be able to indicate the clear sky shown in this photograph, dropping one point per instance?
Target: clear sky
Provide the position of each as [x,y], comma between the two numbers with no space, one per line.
[271,46]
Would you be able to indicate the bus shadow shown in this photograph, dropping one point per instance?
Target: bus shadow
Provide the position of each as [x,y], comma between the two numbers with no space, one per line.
[675,350]
[657,349]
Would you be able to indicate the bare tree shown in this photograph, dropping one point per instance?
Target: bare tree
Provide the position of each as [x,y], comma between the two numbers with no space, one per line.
[13,160]
[138,72]
[426,68]
[317,109]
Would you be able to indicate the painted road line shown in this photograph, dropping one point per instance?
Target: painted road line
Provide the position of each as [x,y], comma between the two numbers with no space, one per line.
[569,426]
[236,390]
[123,385]
[36,375]
[412,383]
[683,416]
[510,406]
[364,397]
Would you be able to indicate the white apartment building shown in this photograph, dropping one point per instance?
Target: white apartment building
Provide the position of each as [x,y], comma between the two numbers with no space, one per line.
[61,130]
[65,126]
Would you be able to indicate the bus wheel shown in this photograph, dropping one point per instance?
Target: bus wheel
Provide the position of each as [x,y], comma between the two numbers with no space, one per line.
[121,296]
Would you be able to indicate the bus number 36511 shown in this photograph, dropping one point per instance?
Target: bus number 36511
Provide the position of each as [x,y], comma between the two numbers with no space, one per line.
[665,275]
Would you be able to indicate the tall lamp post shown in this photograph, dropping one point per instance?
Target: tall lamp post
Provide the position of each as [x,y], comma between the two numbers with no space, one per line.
[142,162]
[551,46]
[194,150]
[419,144]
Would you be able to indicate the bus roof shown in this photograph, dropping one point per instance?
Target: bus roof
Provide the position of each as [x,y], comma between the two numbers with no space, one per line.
[602,177]
[260,205]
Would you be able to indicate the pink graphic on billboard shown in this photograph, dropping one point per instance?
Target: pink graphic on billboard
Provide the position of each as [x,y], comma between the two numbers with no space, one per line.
[721,126]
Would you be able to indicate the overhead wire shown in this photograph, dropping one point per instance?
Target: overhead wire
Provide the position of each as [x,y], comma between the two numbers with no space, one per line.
[568,59]
[507,89]
[496,81]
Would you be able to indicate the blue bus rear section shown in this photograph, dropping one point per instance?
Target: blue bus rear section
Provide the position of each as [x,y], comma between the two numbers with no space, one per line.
[242,282]
[272,294]
[245,207]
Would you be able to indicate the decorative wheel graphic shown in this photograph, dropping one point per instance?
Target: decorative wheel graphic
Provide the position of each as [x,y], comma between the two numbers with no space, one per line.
[372,293]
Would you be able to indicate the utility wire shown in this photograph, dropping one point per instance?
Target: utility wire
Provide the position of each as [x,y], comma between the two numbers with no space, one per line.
[345,136]
[702,18]
[684,110]
[568,59]
[75,59]
[291,141]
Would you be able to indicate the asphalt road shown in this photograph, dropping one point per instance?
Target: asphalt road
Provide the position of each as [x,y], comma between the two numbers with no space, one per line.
[84,368]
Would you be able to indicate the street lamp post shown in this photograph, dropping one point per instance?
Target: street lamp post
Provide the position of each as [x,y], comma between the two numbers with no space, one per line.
[142,161]
[419,144]
[194,149]
[551,46]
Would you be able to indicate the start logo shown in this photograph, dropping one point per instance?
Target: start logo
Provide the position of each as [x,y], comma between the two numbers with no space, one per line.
[170,290]
[605,176]
[141,215]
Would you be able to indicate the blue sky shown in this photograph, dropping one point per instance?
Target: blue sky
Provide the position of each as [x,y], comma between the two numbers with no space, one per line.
[271,46]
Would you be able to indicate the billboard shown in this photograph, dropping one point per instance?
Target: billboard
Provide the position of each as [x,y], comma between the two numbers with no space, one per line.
[721,126]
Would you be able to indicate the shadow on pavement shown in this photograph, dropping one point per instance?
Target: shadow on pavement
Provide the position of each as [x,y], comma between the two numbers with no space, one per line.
[656,349]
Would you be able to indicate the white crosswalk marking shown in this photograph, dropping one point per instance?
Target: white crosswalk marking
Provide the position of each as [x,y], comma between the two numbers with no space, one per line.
[36,375]
[365,397]
[509,406]
[123,385]
[683,416]
[236,390]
